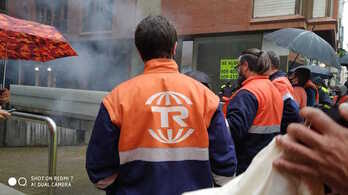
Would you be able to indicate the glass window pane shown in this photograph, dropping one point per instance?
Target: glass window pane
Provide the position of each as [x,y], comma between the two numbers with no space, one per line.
[266,8]
[319,8]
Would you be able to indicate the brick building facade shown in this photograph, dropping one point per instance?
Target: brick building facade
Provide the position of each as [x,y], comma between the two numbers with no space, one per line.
[216,30]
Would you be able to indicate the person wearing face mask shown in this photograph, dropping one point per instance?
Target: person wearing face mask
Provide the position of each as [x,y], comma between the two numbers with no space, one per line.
[298,78]
[254,113]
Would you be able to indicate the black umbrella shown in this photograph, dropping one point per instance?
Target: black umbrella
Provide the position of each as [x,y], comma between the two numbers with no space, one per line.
[199,76]
[305,43]
[316,71]
[344,60]
[321,72]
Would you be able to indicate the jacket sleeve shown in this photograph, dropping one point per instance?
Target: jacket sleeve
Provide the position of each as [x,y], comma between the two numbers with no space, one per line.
[222,154]
[310,96]
[102,158]
[241,113]
[291,114]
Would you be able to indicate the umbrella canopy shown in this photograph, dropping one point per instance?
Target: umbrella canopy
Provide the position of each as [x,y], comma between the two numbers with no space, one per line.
[344,60]
[199,76]
[305,43]
[27,40]
[316,71]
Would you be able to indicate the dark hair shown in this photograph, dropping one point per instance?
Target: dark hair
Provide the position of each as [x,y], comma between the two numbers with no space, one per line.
[199,76]
[258,60]
[275,60]
[303,76]
[155,37]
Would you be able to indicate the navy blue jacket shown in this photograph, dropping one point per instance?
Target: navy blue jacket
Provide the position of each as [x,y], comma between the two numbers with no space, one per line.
[157,177]
[241,113]
[310,96]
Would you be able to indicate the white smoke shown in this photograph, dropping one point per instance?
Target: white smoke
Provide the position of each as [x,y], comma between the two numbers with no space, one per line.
[104,43]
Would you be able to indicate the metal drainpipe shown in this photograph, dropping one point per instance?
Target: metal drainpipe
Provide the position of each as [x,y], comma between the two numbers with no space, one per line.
[52,146]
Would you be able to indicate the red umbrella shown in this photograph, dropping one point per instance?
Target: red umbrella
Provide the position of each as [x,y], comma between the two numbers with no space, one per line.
[27,40]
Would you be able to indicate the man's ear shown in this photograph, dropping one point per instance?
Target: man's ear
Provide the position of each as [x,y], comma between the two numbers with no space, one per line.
[246,64]
[174,49]
[140,55]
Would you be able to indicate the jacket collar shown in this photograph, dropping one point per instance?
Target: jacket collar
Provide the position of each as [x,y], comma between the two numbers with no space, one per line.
[258,77]
[161,65]
[277,74]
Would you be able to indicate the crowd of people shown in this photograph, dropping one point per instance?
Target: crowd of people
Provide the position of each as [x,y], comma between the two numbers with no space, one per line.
[164,132]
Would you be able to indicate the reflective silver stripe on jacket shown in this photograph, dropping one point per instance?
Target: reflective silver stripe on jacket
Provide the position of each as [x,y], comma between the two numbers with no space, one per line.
[287,96]
[164,154]
[264,129]
[221,180]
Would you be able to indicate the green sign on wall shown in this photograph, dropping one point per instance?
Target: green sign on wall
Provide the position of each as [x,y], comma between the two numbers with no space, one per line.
[228,69]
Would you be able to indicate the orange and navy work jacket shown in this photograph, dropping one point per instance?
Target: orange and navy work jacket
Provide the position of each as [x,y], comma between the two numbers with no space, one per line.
[254,115]
[284,87]
[291,108]
[169,128]
[300,96]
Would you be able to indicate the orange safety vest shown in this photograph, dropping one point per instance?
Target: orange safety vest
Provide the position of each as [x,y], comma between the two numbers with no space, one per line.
[300,96]
[310,84]
[270,105]
[284,87]
[162,109]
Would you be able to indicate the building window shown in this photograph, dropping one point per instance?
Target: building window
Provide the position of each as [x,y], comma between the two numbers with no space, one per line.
[268,8]
[55,14]
[3,6]
[97,15]
[61,16]
[44,13]
[322,8]
[187,56]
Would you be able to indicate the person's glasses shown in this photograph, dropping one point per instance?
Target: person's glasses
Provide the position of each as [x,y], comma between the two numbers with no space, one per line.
[238,66]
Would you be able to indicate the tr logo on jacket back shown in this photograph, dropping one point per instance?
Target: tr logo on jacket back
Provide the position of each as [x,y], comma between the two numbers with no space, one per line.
[171,108]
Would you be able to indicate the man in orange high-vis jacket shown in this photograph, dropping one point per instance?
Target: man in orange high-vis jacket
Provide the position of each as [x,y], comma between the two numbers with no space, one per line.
[312,93]
[161,132]
[254,114]
[282,83]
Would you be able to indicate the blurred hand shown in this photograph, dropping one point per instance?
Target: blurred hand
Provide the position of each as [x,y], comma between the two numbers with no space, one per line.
[4,114]
[102,184]
[319,152]
[4,96]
